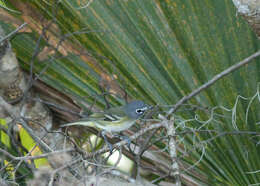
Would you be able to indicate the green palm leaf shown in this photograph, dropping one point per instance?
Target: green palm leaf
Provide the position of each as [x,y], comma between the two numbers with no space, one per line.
[159,51]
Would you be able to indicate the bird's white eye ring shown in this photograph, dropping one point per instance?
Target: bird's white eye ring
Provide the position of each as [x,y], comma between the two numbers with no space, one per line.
[139,111]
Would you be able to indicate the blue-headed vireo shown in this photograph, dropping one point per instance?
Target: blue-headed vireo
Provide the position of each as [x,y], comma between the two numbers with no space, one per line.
[115,119]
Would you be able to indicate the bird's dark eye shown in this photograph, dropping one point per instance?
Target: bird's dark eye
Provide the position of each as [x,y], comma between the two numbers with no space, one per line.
[139,111]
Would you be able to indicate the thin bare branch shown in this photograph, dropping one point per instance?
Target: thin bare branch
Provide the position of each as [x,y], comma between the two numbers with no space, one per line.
[124,142]
[13,32]
[67,165]
[45,155]
[212,81]
[169,125]
[13,112]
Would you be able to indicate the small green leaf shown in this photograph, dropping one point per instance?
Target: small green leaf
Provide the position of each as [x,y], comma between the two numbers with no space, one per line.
[3,136]
[30,145]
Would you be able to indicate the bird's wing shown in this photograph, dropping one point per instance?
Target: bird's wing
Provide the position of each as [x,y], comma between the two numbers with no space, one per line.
[101,118]
[106,116]
[118,110]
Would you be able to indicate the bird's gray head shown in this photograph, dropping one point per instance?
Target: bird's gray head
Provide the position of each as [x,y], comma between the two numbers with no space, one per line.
[135,109]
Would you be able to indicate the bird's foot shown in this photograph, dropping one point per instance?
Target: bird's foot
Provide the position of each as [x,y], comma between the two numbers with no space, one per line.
[125,138]
[110,146]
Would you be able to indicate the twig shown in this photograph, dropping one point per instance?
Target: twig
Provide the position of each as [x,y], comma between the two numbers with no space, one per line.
[24,158]
[36,52]
[59,107]
[21,161]
[212,81]
[60,169]
[38,140]
[158,125]
[13,32]
[169,125]
[142,149]
[124,142]
[13,112]
[121,175]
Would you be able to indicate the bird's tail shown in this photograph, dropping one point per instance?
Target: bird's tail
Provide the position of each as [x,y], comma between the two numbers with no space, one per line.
[82,123]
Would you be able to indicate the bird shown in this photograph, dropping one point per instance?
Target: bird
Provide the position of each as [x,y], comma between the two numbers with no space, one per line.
[115,119]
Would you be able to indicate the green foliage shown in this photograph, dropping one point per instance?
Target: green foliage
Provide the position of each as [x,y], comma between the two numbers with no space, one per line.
[159,51]
[5,5]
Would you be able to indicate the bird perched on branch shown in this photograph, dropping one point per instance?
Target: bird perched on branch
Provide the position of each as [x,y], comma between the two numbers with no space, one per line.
[115,119]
